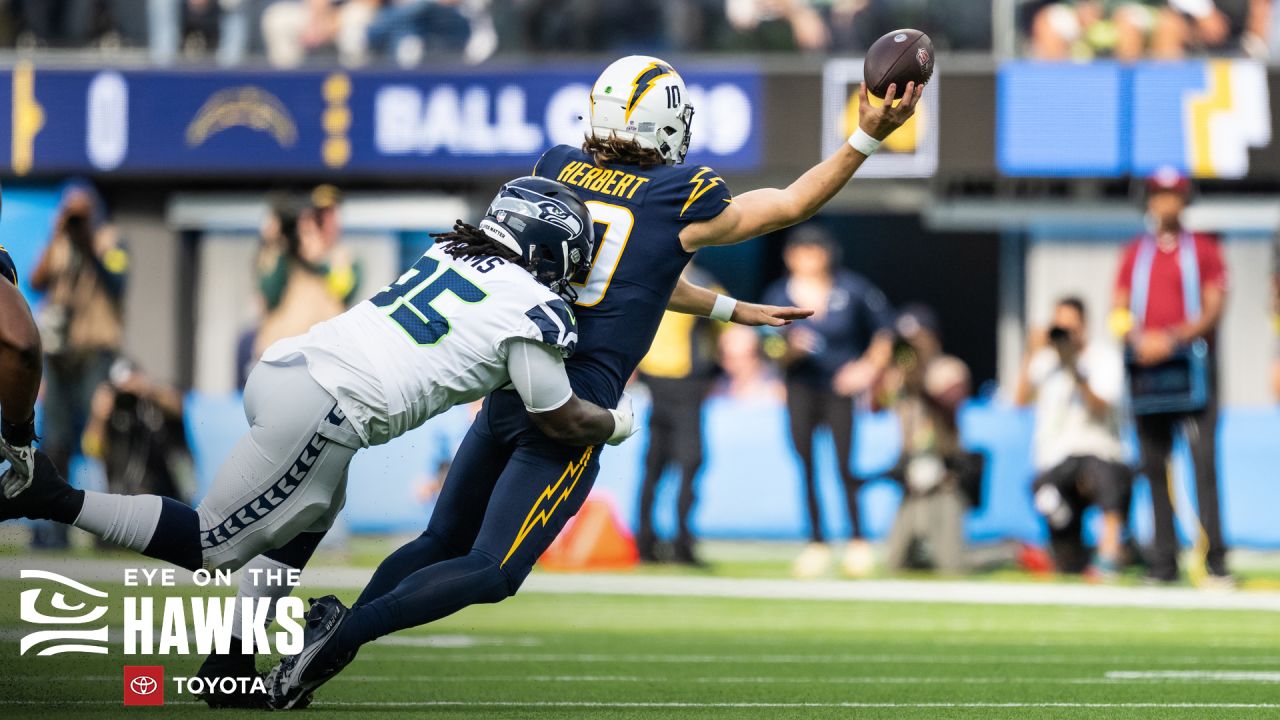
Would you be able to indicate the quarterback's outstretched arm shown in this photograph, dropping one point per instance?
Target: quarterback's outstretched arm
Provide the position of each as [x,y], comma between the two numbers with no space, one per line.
[693,299]
[762,211]
[537,372]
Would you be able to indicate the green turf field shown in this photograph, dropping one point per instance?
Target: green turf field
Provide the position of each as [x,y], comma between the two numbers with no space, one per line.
[598,656]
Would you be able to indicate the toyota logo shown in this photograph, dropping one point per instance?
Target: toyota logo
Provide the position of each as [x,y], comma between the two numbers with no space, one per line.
[143,685]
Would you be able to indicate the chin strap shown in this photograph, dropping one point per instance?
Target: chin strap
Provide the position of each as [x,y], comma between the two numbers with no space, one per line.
[565,290]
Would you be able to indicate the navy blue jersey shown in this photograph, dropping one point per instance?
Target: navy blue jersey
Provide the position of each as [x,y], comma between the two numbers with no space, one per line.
[8,270]
[638,258]
[856,311]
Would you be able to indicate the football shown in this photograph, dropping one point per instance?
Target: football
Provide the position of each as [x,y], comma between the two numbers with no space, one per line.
[898,57]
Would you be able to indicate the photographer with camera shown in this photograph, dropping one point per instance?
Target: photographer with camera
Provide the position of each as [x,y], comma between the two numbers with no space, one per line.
[1169,298]
[305,274]
[82,274]
[940,479]
[136,429]
[1077,387]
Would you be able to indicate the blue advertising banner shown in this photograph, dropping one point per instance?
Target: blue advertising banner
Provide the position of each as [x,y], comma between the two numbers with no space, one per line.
[1105,119]
[414,124]
[1043,112]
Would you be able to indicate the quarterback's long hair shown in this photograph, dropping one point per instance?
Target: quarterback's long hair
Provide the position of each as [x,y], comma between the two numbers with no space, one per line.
[467,240]
[614,150]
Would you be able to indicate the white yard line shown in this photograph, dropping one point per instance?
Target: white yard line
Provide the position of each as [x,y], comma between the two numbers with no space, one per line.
[1201,675]
[798,705]
[588,704]
[930,591]
[453,649]
[1111,678]
[969,592]
[830,659]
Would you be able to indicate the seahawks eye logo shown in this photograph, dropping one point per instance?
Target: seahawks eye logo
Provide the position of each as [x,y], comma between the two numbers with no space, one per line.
[556,214]
[72,620]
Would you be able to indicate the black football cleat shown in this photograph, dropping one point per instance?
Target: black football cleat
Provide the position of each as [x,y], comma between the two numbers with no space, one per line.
[49,497]
[291,682]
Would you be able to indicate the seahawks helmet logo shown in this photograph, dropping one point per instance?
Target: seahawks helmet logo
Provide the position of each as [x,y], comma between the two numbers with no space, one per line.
[554,213]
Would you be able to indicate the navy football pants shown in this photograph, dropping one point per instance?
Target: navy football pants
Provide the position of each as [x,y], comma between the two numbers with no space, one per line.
[509,492]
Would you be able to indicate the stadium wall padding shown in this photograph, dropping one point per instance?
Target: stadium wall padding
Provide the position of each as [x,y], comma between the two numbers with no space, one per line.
[750,487]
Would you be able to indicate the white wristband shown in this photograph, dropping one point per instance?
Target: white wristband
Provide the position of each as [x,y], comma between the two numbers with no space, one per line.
[863,142]
[723,309]
[624,420]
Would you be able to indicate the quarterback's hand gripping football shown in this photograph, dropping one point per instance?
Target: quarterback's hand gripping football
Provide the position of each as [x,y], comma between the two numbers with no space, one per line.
[879,122]
[22,463]
[624,421]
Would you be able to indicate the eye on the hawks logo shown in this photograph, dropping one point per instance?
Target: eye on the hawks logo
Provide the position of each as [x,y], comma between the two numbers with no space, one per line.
[67,614]
[143,685]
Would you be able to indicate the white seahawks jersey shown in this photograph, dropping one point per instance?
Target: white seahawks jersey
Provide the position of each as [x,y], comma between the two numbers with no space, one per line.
[435,338]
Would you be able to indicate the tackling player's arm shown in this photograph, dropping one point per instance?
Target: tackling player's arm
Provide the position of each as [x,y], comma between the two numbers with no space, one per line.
[762,211]
[537,372]
[20,368]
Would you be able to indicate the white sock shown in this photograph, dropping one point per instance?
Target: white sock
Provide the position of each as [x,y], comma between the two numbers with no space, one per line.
[126,520]
[248,588]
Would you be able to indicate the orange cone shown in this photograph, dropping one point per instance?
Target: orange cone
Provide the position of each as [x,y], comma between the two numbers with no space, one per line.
[594,539]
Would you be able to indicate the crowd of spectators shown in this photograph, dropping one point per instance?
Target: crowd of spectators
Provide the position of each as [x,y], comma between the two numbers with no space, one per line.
[1161,29]
[410,32]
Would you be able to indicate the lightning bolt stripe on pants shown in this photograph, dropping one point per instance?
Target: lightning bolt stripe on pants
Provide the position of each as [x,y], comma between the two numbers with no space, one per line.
[539,515]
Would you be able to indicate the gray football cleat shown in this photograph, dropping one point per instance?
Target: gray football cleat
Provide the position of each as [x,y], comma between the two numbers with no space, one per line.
[291,682]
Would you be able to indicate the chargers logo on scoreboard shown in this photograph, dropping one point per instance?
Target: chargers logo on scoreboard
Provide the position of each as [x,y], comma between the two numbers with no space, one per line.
[248,106]
[911,151]
[1201,117]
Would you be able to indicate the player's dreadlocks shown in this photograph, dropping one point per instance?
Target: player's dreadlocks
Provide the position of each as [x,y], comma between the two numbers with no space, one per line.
[614,150]
[467,240]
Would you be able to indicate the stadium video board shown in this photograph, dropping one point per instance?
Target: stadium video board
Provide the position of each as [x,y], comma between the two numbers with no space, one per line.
[218,122]
[1209,119]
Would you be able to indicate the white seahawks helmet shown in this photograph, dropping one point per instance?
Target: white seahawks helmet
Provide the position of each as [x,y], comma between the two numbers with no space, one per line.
[644,99]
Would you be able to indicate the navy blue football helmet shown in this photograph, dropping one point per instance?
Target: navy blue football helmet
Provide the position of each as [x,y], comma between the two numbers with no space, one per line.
[548,225]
